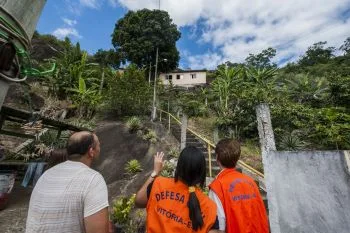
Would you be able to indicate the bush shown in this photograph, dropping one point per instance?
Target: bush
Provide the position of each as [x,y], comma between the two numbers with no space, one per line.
[292,141]
[168,169]
[122,208]
[174,152]
[150,136]
[133,124]
[133,167]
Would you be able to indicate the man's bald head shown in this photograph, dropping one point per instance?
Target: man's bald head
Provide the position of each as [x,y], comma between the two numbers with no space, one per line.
[79,143]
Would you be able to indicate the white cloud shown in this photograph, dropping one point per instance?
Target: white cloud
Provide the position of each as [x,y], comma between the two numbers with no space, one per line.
[66,32]
[95,4]
[236,28]
[208,60]
[113,3]
[69,22]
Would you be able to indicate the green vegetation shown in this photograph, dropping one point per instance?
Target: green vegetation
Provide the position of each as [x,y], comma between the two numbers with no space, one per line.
[122,208]
[309,99]
[126,217]
[137,35]
[174,152]
[128,93]
[133,166]
[168,169]
[133,124]
[150,135]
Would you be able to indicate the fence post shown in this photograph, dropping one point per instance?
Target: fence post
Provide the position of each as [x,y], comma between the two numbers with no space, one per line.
[160,115]
[267,144]
[209,157]
[169,122]
[183,131]
[267,138]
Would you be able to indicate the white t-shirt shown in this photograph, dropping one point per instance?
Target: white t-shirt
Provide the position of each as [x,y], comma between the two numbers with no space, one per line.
[64,196]
[220,210]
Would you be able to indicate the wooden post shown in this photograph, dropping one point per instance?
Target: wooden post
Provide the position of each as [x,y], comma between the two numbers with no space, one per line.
[169,115]
[209,157]
[169,123]
[2,120]
[160,116]
[183,131]
[59,134]
[4,86]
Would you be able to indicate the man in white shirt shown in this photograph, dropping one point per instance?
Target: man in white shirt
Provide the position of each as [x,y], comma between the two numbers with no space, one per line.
[71,197]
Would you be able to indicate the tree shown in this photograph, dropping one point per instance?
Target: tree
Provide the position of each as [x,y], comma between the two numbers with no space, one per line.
[128,93]
[262,60]
[137,36]
[107,58]
[316,54]
[346,46]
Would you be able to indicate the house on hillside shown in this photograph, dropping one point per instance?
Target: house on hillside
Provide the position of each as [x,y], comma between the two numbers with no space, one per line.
[185,78]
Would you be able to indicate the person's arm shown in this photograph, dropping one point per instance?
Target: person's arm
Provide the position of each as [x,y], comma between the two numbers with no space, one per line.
[98,222]
[141,196]
[96,218]
[220,210]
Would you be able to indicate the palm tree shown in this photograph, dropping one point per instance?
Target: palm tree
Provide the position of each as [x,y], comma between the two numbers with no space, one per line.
[303,88]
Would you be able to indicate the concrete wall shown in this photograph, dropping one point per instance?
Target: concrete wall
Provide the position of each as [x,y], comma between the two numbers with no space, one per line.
[309,192]
[186,79]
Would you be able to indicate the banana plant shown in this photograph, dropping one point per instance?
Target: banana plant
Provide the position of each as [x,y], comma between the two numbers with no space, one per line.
[85,99]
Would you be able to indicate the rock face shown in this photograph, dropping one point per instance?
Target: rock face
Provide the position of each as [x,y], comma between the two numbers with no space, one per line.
[118,146]
[18,97]
[44,48]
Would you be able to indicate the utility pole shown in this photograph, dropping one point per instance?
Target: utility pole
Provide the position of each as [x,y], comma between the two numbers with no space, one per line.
[154,89]
[154,109]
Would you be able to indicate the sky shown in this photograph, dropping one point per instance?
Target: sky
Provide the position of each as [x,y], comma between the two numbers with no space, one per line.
[213,31]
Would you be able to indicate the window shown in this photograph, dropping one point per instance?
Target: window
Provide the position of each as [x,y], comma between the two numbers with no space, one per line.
[193,76]
[170,77]
[179,76]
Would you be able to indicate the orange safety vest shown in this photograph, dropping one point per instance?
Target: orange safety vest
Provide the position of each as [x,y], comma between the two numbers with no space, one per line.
[240,197]
[167,210]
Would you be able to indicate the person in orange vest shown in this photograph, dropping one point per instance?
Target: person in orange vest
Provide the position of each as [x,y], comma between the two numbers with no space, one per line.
[178,204]
[240,206]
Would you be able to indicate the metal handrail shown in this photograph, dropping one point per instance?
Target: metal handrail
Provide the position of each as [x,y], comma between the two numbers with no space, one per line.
[211,145]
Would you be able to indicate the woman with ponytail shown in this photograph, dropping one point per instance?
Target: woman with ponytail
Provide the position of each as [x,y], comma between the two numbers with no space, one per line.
[178,204]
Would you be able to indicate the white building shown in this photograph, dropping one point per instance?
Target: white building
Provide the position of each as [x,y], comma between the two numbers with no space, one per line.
[185,78]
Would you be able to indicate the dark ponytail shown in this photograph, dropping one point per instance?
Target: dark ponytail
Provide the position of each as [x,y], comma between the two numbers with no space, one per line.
[195,212]
[191,169]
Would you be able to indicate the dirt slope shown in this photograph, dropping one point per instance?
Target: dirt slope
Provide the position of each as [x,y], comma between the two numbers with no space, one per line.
[118,146]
